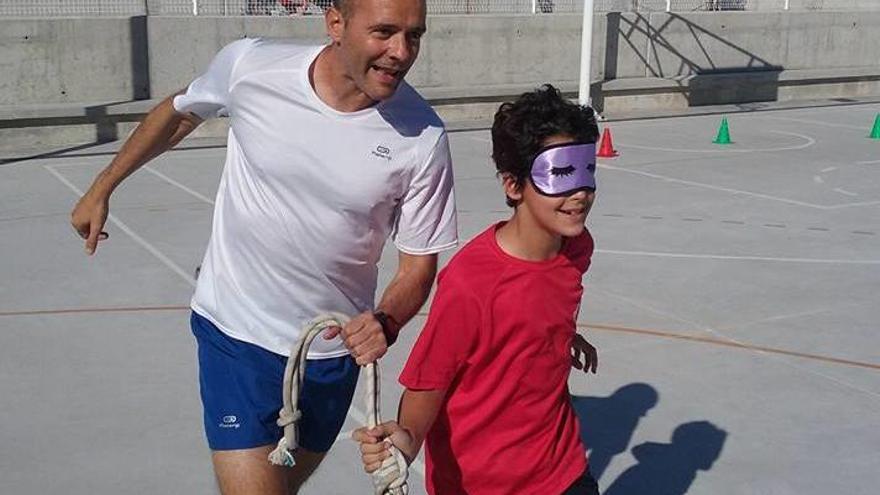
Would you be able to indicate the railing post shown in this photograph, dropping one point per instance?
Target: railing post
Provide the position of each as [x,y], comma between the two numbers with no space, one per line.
[586,54]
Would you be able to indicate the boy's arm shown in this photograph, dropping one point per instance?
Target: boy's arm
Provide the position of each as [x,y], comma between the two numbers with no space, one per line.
[163,128]
[417,412]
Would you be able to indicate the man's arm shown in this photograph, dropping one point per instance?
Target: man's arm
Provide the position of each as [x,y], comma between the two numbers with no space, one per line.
[162,128]
[417,412]
[402,299]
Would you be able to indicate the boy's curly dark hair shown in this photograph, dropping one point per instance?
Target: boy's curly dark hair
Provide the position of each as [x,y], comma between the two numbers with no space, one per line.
[522,126]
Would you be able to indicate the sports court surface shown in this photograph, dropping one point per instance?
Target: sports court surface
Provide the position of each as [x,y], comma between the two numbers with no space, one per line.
[733,298]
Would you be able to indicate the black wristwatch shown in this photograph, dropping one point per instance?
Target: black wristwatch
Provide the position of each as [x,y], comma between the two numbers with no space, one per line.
[385,321]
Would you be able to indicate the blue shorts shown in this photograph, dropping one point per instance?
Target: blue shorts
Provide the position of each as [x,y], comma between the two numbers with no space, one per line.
[241,387]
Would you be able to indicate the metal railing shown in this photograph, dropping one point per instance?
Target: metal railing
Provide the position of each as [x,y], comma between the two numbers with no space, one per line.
[96,8]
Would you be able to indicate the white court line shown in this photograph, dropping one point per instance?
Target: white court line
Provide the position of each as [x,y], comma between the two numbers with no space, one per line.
[829,169]
[710,186]
[735,191]
[816,122]
[178,184]
[810,142]
[739,258]
[845,192]
[131,233]
[869,162]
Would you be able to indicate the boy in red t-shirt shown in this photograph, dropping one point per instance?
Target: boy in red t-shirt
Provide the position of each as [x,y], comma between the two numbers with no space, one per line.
[486,383]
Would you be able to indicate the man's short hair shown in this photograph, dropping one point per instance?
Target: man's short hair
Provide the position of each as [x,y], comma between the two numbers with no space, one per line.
[343,6]
[522,126]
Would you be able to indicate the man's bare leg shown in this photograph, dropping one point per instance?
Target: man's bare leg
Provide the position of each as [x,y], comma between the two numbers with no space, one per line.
[248,472]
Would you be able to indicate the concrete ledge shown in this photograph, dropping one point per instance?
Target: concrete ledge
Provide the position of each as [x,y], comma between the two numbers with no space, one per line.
[473,107]
[631,95]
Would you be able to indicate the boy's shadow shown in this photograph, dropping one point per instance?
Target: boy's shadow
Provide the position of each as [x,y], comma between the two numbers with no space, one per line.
[670,468]
[608,423]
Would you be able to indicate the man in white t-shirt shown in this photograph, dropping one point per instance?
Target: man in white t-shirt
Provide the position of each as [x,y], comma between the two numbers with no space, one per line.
[329,153]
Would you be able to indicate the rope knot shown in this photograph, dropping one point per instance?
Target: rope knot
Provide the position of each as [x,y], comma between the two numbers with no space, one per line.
[287,418]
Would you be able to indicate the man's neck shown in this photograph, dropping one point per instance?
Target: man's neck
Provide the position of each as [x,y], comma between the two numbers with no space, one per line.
[521,238]
[333,86]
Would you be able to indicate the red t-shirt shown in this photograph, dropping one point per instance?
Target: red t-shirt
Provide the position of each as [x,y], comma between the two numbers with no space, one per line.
[499,338]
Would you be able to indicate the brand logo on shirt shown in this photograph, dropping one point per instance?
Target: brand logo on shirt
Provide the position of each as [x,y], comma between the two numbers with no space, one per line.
[382,152]
[230,421]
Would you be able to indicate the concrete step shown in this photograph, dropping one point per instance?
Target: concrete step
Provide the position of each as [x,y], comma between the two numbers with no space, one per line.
[35,127]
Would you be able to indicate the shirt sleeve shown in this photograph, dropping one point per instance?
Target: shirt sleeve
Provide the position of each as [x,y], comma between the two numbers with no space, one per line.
[447,341]
[208,95]
[426,221]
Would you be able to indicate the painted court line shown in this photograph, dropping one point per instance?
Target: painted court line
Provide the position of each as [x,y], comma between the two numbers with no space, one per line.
[733,191]
[131,233]
[844,192]
[183,187]
[739,258]
[817,122]
[809,142]
[728,343]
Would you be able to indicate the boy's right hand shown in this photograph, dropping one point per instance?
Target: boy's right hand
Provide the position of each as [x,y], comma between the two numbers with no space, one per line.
[376,444]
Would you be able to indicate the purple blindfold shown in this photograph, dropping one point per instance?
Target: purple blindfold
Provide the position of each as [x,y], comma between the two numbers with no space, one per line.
[561,170]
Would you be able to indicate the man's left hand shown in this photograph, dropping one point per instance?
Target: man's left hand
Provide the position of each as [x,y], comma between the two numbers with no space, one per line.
[363,336]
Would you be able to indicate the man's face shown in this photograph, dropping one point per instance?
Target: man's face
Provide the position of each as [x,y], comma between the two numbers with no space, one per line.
[378,42]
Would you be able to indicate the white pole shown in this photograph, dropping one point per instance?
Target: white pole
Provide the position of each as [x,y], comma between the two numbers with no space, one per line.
[786,4]
[195,7]
[668,5]
[586,54]
[534,6]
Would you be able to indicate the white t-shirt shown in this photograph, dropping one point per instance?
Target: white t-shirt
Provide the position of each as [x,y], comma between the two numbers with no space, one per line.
[309,194]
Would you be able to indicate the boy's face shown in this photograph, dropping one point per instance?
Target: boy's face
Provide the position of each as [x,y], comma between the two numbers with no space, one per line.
[559,215]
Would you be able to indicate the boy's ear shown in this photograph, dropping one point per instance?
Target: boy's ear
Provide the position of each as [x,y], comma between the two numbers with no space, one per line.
[511,188]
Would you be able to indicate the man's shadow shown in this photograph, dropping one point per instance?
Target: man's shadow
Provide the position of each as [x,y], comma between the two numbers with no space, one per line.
[608,423]
[670,468]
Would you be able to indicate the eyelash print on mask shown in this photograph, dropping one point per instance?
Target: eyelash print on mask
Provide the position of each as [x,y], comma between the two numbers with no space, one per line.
[562,171]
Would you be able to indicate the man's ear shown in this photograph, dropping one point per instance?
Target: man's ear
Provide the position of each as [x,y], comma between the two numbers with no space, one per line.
[335,23]
[511,188]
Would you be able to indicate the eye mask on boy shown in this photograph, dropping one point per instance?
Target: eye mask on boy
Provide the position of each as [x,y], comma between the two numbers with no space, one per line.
[563,169]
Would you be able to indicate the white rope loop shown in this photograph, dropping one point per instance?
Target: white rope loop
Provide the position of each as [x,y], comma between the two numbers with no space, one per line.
[294,373]
[390,478]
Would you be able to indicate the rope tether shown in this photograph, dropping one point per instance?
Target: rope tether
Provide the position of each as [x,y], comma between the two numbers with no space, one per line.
[390,478]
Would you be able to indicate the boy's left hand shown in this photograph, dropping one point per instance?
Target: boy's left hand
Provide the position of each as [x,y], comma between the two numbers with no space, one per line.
[580,347]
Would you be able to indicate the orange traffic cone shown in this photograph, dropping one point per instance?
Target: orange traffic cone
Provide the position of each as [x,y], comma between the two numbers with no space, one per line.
[606,148]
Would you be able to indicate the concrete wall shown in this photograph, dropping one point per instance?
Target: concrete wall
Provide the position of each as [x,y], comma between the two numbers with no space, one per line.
[73,60]
[458,52]
[669,45]
[85,60]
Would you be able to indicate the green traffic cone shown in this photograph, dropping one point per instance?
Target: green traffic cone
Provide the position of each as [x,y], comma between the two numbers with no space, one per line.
[723,136]
[875,132]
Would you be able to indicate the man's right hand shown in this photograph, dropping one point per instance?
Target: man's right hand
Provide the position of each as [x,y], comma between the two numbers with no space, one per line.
[376,444]
[88,218]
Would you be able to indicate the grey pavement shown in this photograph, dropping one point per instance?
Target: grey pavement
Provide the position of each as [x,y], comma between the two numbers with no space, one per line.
[733,298]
